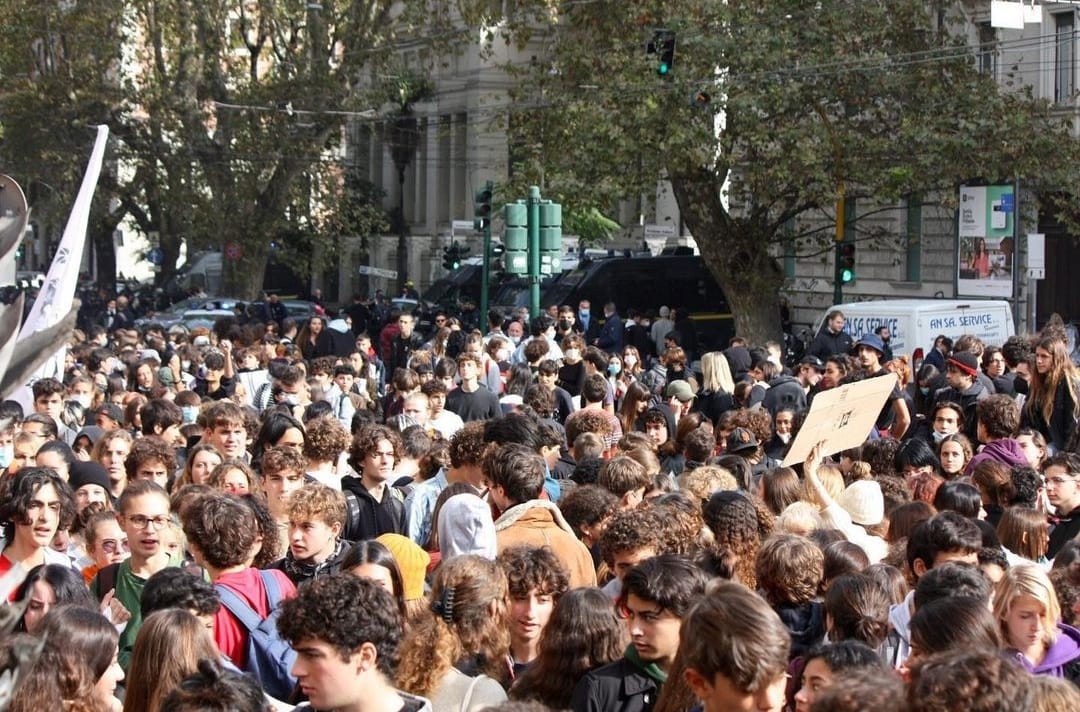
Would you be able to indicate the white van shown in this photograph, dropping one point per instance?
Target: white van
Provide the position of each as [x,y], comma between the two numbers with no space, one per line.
[915,323]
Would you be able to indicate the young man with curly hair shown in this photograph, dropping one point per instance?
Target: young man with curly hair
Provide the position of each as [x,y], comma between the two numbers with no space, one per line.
[345,631]
[537,580]
[789,569]
[630,537]
[373,505]
[316,516]
[221,532]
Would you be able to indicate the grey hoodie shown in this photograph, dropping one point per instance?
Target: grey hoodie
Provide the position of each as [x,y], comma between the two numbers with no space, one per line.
[897,646]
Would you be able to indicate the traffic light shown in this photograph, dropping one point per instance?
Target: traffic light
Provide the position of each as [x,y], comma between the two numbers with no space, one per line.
[453,255]
[550,237]
[516,238]
[663,46]
[482,207]
[845,262]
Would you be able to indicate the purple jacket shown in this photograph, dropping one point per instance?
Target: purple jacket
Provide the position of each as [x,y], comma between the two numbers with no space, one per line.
[1062,658]
[1006,451]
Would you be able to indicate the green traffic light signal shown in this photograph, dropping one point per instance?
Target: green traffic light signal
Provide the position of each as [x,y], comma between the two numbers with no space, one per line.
[845,262]
[663,45]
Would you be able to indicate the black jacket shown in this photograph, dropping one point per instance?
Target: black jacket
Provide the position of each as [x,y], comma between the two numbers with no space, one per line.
[827,344]
[713,404]
[367,517]
[617,687]
[1066,528]
[1059,431]
[784,391]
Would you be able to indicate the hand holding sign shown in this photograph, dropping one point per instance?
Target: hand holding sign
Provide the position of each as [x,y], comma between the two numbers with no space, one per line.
[840,418]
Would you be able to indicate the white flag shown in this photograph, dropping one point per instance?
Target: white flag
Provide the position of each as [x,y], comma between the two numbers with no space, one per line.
[58,291]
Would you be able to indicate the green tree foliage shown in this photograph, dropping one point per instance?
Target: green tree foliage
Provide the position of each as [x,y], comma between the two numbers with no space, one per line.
[228,117]
[772,111]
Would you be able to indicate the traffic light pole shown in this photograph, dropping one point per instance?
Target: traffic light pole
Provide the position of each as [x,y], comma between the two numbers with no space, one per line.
[533,207]
[485,275]
[838,287]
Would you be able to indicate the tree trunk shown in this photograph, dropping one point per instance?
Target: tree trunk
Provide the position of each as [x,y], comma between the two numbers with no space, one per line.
[736,251]
[243,278]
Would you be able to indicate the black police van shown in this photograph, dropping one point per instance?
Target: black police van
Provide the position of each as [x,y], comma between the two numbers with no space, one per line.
[681,282]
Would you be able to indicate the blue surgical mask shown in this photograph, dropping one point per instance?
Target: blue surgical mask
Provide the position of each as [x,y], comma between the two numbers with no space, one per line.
[924,390]
[190,412]
[614,369]
[583,313]
[7,454]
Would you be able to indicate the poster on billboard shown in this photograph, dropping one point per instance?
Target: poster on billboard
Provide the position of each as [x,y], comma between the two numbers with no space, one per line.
[984,259]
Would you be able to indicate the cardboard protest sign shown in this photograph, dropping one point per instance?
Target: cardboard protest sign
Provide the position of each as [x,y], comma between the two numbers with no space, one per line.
[841,418]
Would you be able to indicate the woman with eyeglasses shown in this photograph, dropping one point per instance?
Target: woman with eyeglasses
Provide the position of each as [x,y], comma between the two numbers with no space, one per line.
[106,543]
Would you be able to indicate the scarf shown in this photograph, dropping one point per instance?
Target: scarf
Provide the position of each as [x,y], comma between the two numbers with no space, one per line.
[306,570]
[651,670]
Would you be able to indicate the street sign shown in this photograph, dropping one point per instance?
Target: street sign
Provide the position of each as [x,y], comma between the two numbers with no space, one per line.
[1036,251]
[156,256]
[660,231]
[377,272]
[1007,204]
[462,225]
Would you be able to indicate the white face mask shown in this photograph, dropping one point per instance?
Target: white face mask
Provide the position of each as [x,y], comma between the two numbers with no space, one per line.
[289,399]
[82,399]
[630,360]
[7,454]
[571,354]
[515,339]
[784,437]
[938,437]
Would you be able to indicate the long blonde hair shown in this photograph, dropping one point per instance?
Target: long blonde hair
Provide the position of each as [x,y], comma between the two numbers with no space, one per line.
[467,617]
[716,373]
[167,650]
[1027,580]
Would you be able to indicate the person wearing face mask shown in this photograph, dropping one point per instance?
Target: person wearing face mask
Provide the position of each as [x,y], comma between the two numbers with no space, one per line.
[81,390]
[514,332]
[572,372]
[7,443]
[614,377]
[564,323]
[587,324]
[783,430]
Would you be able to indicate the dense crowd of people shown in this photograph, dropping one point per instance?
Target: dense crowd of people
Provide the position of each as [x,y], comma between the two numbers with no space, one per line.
[564,512]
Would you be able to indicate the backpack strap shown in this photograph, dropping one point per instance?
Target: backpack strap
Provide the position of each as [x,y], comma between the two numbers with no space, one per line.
[238,607]
[352,515]
[273,589]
